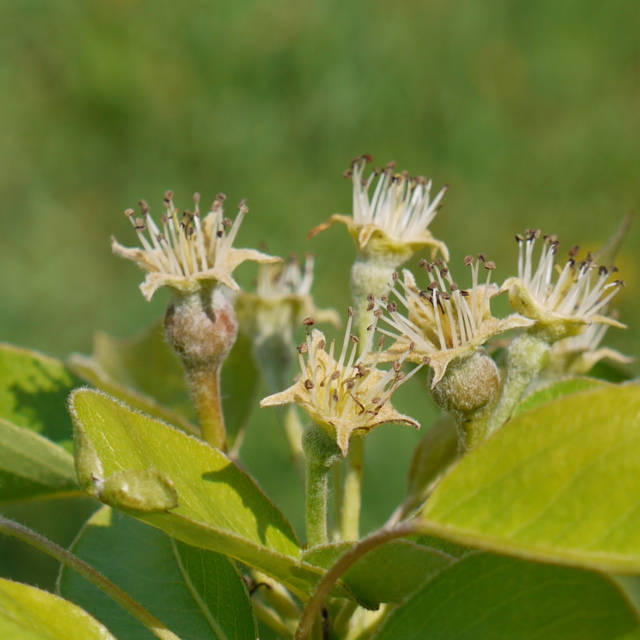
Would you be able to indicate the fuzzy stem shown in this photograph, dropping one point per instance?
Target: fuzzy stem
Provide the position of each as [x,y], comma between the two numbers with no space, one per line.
[202,328]
[72,561]
[321,452]
[473,429]
[207,398]
[352,497]
[527,356]
[348,559]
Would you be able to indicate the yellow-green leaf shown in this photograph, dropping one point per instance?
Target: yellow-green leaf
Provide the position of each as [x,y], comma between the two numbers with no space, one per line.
[220,507]
[32,466]
[559,483]
[27,613]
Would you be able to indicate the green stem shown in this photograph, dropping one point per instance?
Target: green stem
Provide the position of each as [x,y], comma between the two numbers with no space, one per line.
[207,398]
[323,588]
[352,496]
[473,429]
[72,561]
[527,356]
[321,452]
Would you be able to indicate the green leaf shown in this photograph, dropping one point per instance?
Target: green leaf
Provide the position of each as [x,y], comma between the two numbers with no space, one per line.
[196,593]
[27,613]
[220,507]
[435,453]
[33,393]
[147,491]
[559,483]
[90,371]
[32,466]
[490,597]
[387,574]
[556,390]
[445,546]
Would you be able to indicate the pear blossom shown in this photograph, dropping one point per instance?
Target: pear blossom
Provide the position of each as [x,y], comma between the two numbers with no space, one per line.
[282,300]
[340,393]
[391,213]
[443,322]
[577,355]
[188,251]
[565,305]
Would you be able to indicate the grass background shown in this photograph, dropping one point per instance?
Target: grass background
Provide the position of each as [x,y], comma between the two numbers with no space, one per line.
[530,111]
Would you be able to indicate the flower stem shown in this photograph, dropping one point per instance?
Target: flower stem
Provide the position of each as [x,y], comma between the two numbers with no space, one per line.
[352,497]
[321,452]
[527,356]
[72,561]
[207,398]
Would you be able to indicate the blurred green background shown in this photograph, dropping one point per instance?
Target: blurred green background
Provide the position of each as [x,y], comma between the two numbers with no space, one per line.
[530,111]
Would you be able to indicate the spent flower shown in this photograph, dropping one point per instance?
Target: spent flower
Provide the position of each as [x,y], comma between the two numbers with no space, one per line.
[282,300]
[443,321]
[566,305]
[577,355]
[391,213]
[340,393]
[187,251]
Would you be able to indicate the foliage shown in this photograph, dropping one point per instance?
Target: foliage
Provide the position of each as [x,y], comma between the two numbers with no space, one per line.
[521,511]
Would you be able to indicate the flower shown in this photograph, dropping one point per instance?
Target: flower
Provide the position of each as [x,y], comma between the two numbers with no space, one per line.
[443,322]
[281,301]
[577,355]
[189,251]
[344,396]
[569,306]
[391,224]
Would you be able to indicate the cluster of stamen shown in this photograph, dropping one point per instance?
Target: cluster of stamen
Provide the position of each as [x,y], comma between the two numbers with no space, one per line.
[285,279]
[578,292]
[187,244]
[343,386]
[443,316]
[400,204]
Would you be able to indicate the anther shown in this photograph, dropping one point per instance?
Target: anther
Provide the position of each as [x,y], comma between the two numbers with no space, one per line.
[482,257]
[303,348]
[308,385]
[469,260]
[351,312]
[490,265]
[308,322]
